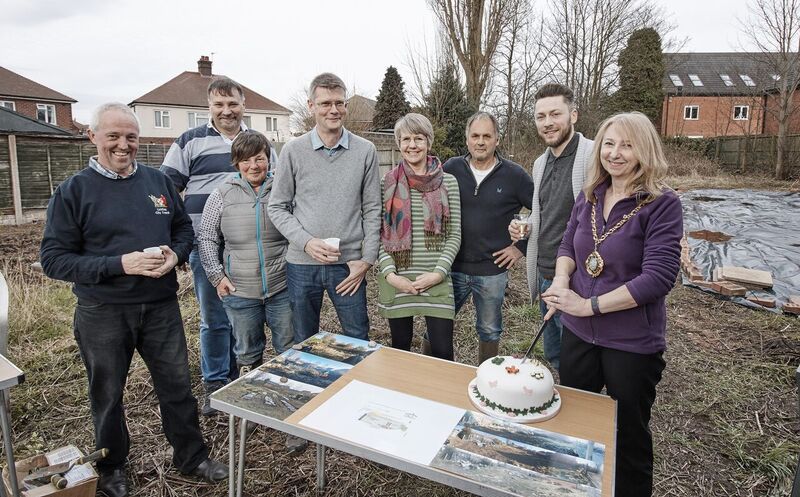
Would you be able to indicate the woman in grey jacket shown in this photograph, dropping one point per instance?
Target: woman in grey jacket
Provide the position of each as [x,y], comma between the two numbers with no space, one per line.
[251,276]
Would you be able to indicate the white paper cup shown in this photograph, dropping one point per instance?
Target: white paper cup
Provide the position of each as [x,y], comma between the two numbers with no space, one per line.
[152,250]
[333,242]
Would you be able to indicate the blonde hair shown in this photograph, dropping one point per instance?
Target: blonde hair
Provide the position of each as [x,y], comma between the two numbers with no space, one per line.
[646,145]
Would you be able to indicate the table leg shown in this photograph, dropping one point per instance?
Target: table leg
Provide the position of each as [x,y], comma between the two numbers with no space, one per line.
[242,445]
[320,467]
[231,452]
[12,473]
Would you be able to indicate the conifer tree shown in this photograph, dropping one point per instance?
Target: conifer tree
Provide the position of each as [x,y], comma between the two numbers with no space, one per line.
[446,106]
[391,104]
[641,69]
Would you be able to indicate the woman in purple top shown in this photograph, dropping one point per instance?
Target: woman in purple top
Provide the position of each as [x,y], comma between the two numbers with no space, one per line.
[617,262]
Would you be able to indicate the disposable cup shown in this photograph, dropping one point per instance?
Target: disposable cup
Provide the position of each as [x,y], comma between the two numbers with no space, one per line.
[152,250]
[333,242]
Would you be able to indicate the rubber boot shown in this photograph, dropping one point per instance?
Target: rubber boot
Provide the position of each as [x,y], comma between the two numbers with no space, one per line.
[426,347]
[487,350]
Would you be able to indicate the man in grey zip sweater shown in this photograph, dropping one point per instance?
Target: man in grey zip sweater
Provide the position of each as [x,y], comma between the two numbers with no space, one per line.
[558,176]
[328,186]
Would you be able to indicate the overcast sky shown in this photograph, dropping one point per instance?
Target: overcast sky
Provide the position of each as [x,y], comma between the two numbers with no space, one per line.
[96,51]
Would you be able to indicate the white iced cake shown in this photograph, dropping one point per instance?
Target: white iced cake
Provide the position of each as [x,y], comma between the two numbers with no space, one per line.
[509,386]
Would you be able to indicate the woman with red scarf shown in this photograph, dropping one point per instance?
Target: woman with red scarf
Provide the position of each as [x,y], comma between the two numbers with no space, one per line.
[420,237]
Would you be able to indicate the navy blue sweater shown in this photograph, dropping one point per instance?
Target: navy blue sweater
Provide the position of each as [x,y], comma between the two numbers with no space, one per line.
[486,212]
[93,220]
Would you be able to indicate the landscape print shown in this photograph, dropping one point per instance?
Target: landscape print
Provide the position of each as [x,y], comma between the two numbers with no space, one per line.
[338,347]
[265,394]
[306,368]
[522,459]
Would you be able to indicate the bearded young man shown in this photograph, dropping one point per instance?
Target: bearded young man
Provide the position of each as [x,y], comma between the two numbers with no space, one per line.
[558,175]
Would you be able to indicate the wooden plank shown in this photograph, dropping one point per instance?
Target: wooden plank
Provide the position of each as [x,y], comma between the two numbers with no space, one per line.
[754,277]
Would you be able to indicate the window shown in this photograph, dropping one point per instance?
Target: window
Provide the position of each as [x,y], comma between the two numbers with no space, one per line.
[676,80]
[748,81]
[46,113]
[7,105]
[776,77]
[695,80]
[726,79]
[691,112]
[272,124]
[247,121]
[741,112]
[197,119]
[162,119]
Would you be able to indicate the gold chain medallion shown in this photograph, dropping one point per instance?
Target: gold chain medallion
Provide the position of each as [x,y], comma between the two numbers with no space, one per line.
[594,264]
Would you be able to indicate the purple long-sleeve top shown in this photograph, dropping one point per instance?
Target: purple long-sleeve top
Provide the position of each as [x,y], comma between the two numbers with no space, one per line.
[643,255]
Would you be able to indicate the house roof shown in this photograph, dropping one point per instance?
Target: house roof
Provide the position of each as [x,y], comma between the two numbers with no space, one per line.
[360,108]
[12,123]
[15,85]
[188,89]
[710,68]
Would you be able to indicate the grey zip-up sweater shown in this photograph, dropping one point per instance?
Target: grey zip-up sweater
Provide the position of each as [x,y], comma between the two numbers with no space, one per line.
[317,195]
[254,257]
[583,160]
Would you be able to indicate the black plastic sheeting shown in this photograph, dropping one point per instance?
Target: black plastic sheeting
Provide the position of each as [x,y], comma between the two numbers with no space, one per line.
[765,234]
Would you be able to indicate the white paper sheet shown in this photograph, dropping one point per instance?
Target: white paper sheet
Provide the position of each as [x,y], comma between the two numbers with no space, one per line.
[392,422]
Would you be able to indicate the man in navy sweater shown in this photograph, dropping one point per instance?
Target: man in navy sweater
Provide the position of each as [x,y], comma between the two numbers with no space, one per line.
[493,189]
[99,222]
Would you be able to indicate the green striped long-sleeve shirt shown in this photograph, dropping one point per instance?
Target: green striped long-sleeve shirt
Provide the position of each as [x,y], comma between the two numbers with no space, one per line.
[437,301]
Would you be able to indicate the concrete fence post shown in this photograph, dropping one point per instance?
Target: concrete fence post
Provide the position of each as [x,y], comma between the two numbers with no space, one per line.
[15,189]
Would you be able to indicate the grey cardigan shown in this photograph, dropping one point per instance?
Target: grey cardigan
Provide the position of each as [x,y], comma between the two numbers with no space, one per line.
[583,160]
[254,256]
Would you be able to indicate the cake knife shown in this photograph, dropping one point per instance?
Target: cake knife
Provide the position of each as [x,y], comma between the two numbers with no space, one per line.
[535,339]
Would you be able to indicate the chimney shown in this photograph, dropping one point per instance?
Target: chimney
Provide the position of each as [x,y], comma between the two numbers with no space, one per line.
[204,66]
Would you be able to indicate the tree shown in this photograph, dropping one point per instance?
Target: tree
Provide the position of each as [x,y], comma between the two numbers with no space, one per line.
[391,104]
[474,29]
[773,27]
[446,106]
[587,38]
[641,69]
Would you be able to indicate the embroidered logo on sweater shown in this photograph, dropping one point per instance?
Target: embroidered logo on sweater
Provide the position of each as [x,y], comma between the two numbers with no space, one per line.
[160,203]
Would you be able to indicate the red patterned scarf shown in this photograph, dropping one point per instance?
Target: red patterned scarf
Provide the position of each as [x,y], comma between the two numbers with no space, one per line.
[396,229]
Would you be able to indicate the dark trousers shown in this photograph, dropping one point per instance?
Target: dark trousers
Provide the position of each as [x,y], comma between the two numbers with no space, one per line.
[440,334]
[631,380]
[107,335]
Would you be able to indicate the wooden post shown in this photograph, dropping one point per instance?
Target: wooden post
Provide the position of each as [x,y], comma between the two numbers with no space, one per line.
[15,190]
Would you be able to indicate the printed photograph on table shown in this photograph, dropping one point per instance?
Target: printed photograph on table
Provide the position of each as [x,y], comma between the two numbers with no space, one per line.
[306,368]
[339,347]
[268,394]
[522,459]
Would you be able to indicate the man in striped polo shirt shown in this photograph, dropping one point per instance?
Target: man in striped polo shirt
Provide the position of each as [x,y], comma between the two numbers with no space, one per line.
[198,162]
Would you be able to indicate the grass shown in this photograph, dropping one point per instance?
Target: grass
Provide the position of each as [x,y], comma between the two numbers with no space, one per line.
[725,421]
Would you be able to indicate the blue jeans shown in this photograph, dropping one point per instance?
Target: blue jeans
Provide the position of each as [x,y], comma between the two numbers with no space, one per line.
[308,283]
[552,331]
[488,293]
[248,317]
[107,335]
[217,360]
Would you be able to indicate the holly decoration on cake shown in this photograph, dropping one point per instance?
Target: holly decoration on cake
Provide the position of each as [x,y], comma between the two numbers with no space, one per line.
[498,360]
[513,412]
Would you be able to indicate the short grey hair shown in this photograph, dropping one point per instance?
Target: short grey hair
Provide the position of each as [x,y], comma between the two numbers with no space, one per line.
[325,80]
[482,115]
[112,106]
[413,124]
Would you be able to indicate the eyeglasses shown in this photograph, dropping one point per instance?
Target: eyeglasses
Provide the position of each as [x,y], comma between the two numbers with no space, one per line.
[259,161]
[327,104]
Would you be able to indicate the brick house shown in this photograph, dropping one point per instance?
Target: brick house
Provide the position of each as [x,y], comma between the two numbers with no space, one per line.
[34,100]
[182,103]
[720,94]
